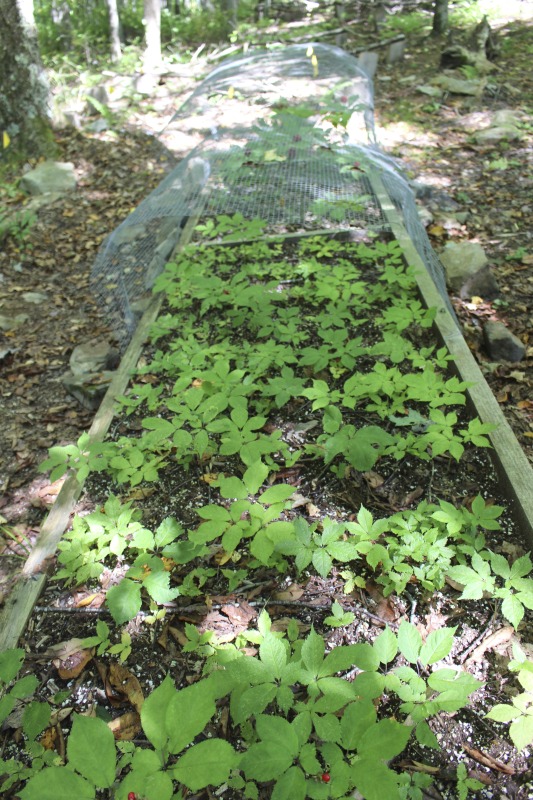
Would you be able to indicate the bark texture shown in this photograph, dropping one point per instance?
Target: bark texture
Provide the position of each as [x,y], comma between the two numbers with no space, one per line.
[114,29]
[152,34]
[440,17]
[24,112]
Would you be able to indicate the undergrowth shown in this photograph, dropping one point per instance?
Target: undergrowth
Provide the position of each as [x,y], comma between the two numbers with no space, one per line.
[328,336]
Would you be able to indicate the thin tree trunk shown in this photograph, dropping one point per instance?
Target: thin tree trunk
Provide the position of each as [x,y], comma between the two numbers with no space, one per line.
[440,18]
[152,33]
[24,112]
[114,29]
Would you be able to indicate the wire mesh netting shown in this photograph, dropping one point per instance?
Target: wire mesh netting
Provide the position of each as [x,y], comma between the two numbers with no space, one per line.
[288,137]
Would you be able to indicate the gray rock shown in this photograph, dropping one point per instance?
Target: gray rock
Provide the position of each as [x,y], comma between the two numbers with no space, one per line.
[467,271]
[431,91]
[479,120]
[91,372]
[499,134]
[459,86]
[99,93]
[10,323]
[34,204]
[506,116]
[34,297]
[145,84]
[395,52]
[94,356]
[51,176]
[425,216]
[98,126]
[88,390]
[501,344]
[126,233]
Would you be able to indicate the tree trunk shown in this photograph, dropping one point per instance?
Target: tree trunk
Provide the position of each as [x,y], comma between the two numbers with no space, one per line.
[114,30]
[440,18]
[24,112]
[230,8]
[152,33]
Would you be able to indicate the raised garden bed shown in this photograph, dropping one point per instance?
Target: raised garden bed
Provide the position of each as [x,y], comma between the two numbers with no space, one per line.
[303,562]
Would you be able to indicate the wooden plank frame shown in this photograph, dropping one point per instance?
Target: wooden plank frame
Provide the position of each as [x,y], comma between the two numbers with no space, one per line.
[514,470]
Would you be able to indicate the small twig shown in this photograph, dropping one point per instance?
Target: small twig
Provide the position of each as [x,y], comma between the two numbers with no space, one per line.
[71,610]
[487,630]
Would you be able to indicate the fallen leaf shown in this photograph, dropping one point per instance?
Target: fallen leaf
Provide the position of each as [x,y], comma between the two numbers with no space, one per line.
[125,683]
[240,615]
[437,230]
[96,599]
[127,727]
[70,658]
[49,739]
[294,592]
[495,639]
[373,480]
[283,623]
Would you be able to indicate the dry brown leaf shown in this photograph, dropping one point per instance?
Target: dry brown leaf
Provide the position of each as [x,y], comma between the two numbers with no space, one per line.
[126,727]
[73,665]
[178,635]
[96,599]
[125,683]
[283,623]
[293,592]
[373,479]
[49,738]
[240,615]
[495,639]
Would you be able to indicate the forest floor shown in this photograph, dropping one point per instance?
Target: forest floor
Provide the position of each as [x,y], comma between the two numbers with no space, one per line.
[119,166]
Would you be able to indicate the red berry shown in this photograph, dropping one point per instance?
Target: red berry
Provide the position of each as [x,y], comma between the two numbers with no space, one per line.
[326,777]
[132,796]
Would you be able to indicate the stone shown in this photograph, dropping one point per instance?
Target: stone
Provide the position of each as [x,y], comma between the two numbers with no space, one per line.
[501,344]
[396,52]
[431,91]
[97,355]
[127,233]
[89,390]
[425,216]
[368,62]
[459,85]
[479,120]
[50,176]
[506,116]
[10,323]
[467,271]
[91,371]
[34,297]
[146,83]
[499,134]
[98,93]
[98,125]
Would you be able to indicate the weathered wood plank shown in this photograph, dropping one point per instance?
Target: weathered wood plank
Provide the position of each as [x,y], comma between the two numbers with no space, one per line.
[513,468]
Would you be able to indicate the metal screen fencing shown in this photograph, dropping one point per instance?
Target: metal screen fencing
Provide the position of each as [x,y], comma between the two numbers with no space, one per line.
[288,137]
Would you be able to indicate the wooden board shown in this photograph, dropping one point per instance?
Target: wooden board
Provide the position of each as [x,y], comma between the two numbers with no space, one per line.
[514,470]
